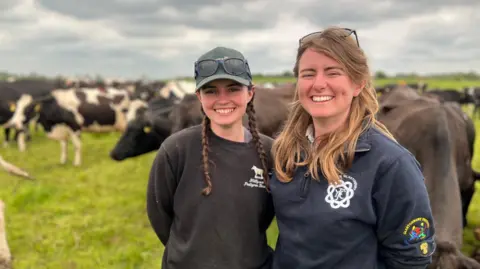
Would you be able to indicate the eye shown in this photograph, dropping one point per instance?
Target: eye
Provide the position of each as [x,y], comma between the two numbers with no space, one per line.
[334,74]
[208,92]
[147,129]
[306,75]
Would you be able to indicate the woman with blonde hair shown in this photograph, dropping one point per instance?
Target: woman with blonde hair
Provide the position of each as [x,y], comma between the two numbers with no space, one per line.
[346,194]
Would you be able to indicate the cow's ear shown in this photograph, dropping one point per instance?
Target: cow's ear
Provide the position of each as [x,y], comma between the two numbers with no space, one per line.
[147,129]
[12,107]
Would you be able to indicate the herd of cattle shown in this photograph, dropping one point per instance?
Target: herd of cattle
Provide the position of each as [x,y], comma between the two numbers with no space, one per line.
[428,122]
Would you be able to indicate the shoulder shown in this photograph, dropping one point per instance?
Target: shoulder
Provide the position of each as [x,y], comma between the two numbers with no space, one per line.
[267,141]
[182,139]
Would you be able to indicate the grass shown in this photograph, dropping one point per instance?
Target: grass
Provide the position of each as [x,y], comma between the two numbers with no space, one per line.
[94,216]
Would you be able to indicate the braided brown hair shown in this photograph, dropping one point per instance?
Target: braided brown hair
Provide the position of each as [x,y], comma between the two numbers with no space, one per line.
[252,124]
[255,137]
[205,125]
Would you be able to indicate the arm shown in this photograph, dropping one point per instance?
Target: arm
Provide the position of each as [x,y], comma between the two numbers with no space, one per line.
[405,229]
[160,192]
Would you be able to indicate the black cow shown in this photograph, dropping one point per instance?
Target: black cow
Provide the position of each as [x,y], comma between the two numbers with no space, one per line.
[147,130]
[451,95]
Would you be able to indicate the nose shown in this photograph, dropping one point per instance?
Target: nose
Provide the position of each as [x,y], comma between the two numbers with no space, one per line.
[115,156]
[223,95]
[320,82]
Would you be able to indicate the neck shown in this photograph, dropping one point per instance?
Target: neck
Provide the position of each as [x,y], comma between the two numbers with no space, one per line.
[234,132]
[326,126]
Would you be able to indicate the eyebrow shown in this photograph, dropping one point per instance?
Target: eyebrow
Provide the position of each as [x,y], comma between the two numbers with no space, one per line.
[307,70]
[333,68]
[328,68]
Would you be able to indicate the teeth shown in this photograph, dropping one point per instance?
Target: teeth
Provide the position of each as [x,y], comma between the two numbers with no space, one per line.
[224,111]
[322,98]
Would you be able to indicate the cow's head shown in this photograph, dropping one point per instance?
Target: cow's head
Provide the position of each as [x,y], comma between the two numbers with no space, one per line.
[142,136]
[25,108]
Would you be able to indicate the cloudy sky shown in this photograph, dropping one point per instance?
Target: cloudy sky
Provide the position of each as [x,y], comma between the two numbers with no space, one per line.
[162,38]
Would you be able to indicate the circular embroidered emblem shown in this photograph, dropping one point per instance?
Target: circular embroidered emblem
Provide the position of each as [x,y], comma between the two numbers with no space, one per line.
[416,230]
[340,195]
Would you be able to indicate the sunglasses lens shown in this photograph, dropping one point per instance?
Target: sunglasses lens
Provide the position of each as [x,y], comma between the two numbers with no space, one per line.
[235,66]
[207,68]
[348,33]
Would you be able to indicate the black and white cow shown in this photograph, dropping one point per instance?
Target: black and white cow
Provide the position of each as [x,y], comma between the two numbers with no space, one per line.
[15,95]
[8,104]
[65,113]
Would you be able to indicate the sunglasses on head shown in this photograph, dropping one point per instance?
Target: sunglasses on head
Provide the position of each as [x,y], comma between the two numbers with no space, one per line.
[232,66]
[313,35]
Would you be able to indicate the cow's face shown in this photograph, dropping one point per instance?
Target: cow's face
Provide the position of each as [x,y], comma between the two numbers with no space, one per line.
[139,138]
[25,110]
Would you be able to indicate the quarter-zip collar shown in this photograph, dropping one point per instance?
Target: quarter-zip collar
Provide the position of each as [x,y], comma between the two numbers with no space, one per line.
[363,142]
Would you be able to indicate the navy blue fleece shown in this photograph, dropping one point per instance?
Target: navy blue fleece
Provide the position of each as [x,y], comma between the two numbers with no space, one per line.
[380,217]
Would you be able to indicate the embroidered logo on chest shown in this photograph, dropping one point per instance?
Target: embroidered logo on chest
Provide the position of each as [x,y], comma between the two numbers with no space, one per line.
[340,195]
[257,180]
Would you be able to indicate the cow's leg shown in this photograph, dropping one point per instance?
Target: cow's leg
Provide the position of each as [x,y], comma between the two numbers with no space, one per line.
[26,128]
[77,144]
[21,141]
[63,153]
[60,132]
[7,137]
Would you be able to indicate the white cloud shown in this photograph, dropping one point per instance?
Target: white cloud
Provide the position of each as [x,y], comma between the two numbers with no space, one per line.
[130,38]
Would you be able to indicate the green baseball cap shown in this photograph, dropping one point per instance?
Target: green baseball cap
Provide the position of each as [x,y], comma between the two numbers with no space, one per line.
[223,53]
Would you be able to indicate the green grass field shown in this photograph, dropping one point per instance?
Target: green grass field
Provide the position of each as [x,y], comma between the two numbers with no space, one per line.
[94,216]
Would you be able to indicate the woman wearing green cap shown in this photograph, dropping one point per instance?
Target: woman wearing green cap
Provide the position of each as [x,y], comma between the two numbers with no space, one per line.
[207,199]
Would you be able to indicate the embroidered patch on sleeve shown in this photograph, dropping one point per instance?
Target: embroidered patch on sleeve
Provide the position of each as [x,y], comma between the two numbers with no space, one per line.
[416,230]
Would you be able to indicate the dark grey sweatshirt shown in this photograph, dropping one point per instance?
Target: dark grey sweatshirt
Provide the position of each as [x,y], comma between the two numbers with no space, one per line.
[224,230]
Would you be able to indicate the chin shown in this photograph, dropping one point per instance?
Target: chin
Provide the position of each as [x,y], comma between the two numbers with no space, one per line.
[225,124]
[319,113]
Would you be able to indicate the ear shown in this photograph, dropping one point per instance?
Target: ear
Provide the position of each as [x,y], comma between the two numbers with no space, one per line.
[197,93]
[38,107]
[251,92]
[358,88]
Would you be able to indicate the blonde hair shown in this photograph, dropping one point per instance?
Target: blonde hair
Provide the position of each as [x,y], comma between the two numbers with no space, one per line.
[329,155]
